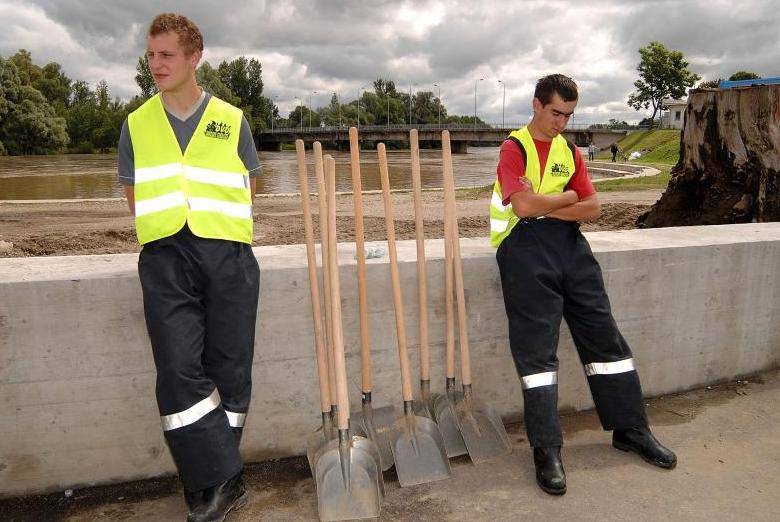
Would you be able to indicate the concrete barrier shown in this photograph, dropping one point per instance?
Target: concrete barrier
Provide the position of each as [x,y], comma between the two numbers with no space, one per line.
[697,304]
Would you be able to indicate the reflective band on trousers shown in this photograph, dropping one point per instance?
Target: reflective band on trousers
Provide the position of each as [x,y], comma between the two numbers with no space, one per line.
[192,414]
[236,420]
[609,368]
[539,379]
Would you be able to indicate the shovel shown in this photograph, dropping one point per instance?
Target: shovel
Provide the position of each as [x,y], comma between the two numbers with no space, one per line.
[480,425]
[326,432]
[347,470]
[444,405]
[373,423]
[425,406]
[417,444]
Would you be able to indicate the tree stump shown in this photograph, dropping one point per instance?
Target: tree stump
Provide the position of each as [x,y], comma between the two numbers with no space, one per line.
[729,167]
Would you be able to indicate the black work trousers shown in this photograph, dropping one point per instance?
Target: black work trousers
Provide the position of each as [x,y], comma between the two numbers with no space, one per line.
[200,304]
[548,271]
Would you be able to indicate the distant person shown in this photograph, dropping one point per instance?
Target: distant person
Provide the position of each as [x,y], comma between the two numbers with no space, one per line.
[592,151]
[614,150]
[188,161]
[548,272]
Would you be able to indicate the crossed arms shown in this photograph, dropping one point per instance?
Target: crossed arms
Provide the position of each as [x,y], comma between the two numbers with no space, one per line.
[566,206]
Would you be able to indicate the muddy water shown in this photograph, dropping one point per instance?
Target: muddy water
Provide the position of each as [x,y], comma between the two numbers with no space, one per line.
[82,176]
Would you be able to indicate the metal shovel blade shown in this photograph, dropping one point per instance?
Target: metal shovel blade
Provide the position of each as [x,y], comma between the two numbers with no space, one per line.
[374,424]
[418,449]
[447,419]
[317,441]
[482,430]
[347,479]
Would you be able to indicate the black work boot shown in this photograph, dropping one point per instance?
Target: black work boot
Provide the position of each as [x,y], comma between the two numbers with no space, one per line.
[642,442]
[549,470]
[193,498]
[219,500]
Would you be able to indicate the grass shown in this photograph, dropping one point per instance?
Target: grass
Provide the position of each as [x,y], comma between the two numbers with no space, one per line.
[657,146]
[660,180]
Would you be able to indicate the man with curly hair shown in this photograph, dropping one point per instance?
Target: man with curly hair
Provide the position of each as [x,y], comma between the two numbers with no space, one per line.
[188,163]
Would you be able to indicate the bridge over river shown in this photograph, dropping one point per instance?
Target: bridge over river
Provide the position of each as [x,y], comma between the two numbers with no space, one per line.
[460,135]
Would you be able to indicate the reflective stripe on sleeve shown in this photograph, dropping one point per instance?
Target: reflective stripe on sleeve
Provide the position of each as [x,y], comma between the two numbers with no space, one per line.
[215,177]
[192,414]
[539,379]
[236,210]
[609,368]
[166,201]
[146,174]
[236,420]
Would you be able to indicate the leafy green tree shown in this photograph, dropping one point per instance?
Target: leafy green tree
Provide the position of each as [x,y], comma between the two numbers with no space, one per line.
[30,124]
[663,73]
[299,117]
[245,80]
[744,75]
[209,79]
[144,78]
[710,84]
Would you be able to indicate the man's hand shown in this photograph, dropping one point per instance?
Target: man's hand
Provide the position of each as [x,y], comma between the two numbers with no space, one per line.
[531,204]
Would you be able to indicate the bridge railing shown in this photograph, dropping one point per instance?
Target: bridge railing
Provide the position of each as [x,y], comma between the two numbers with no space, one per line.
[508,127]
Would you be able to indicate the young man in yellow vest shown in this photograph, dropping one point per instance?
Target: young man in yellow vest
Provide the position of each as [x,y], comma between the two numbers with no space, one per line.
[547,272]
[187,160]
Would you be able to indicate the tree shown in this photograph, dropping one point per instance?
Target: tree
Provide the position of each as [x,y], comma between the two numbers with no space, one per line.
[144,78]
[209,79]
[30,124]
[743,75]
[663,73]
[711,84]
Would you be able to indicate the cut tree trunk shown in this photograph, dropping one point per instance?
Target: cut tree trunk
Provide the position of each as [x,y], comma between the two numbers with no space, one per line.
[729,167]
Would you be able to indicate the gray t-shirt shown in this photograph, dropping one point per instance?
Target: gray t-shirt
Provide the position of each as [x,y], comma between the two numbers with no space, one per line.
[184,129]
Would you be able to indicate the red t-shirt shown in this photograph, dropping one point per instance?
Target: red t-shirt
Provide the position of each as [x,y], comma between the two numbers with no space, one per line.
[511,168]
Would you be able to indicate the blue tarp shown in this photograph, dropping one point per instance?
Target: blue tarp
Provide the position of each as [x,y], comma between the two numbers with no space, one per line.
[726,84]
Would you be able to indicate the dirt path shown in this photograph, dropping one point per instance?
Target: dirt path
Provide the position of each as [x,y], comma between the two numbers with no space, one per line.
[104,227]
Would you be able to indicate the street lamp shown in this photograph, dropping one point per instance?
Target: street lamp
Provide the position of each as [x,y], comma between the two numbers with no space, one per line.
[338,104]
[312,92]
[388,109]
[300,106]
[503,104]
[360,94]
[276,97]
[439,98]
[410,104]
[475,101]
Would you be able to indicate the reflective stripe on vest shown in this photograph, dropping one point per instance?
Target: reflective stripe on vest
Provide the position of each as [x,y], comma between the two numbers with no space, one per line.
[557,173]
[206,187]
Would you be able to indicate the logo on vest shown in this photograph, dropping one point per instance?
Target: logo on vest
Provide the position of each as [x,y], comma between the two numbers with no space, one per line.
[560,170]
[218,130]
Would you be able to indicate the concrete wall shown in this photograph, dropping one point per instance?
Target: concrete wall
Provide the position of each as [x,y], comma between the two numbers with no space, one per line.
[697,305]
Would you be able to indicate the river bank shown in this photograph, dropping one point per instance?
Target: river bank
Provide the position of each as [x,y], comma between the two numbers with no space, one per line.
[79,227]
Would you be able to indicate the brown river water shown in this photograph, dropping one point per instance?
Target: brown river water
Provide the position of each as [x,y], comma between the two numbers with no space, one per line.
[84,176]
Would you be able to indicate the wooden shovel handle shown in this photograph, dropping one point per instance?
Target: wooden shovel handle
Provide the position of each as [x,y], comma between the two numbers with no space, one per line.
[335,299]
[449,282]
[419,228]
[403,355]
[322,201]
[463,333]
[365,350]
[314,286]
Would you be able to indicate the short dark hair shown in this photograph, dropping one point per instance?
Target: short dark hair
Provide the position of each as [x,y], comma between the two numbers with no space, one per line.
[555,83]
[189,35]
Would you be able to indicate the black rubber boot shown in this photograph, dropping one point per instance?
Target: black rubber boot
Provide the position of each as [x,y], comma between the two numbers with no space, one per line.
[549,470]
[643,443]
[219,500]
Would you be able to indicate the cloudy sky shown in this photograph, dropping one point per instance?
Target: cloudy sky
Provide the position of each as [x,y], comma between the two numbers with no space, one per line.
[329,45]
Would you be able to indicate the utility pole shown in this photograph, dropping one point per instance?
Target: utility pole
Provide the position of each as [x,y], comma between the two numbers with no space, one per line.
[410,104]
[475,101]
[439,100]
[313,92]
[503,104]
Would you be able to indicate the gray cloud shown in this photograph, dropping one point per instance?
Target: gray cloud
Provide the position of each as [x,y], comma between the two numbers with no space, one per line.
[325,46]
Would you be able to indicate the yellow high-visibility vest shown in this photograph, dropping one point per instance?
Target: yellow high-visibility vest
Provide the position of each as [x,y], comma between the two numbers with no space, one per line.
[557,173]
[206,187]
